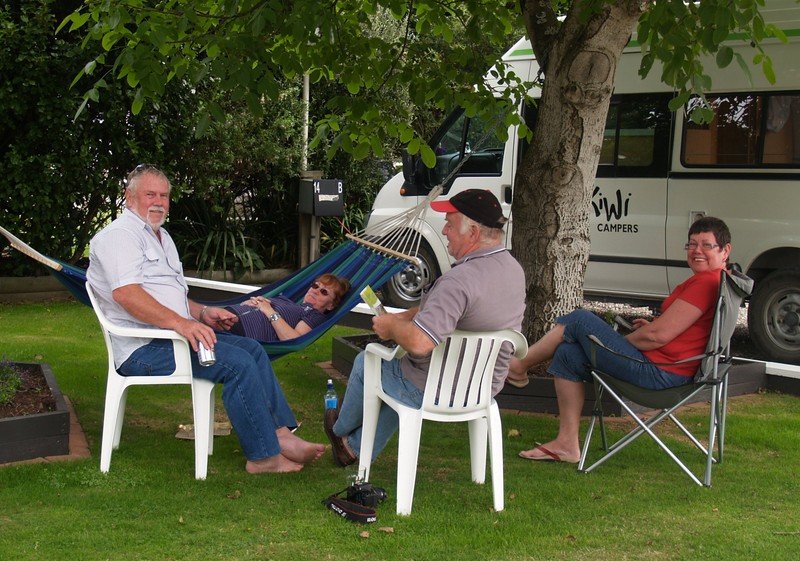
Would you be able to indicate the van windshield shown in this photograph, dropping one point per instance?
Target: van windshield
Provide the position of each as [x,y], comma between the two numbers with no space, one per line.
[469,140]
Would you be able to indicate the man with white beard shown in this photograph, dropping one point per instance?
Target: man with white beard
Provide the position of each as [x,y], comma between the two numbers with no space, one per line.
[137,276]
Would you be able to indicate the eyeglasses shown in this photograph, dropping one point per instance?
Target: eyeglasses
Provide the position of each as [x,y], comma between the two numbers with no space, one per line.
[322,290]
[705,246]
[142,168]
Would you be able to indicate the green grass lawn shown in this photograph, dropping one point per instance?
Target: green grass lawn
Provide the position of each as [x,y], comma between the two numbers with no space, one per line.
[149,506]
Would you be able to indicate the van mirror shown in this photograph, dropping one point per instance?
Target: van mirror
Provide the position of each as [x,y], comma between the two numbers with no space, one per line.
[409,167]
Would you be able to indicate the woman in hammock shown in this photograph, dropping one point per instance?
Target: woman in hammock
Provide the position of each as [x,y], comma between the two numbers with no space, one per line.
[280,318]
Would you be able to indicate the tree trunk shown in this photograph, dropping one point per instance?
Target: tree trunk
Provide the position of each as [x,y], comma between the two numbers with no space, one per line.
[556,176]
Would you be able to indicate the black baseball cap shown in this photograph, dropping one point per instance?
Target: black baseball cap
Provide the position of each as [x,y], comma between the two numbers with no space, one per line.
[478,204]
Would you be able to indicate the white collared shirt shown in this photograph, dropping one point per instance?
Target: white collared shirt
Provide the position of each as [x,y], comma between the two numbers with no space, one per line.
[128,252]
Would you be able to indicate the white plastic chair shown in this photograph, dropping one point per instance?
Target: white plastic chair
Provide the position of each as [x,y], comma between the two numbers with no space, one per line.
[458,389]
[117,391]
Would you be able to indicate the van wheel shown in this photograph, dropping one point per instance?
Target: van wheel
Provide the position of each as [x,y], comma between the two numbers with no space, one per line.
[774,316]
[405,288]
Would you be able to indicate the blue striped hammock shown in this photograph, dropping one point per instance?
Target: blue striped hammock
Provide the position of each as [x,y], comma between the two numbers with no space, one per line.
[358,260]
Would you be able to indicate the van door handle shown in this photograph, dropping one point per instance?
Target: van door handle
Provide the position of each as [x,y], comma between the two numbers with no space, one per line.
[506,193]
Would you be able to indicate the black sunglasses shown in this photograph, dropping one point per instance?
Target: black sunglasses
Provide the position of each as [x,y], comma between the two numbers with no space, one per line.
[316,286]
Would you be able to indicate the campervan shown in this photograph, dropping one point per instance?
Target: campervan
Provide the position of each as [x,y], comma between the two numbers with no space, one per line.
[658,172]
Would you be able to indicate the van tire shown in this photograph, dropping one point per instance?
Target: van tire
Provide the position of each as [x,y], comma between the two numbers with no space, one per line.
[773,319]
[404,289]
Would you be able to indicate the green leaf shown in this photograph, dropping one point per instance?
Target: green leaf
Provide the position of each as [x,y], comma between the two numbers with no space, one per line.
[428,156]
[216,111]
[769,71]
[777,32]
[109,39]
[646,64]
[138,102]
[76,79]
[744,67]
[724,56]
[81,108]
[114,17]
[353,87]
[678,101]
[361,150]
[78,20]
[413,146]
[377,148]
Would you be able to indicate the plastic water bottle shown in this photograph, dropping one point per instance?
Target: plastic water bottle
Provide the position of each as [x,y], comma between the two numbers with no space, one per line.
[331,399]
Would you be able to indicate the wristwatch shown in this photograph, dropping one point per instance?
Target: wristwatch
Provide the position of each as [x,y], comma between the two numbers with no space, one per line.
[275,316]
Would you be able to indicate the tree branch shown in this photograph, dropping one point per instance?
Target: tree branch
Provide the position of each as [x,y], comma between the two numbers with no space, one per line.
[541,23]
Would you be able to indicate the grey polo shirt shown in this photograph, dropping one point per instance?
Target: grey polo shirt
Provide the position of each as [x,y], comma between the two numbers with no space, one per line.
[127,252]
[484,291]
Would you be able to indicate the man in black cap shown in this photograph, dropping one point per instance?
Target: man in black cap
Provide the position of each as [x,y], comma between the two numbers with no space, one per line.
[484,291]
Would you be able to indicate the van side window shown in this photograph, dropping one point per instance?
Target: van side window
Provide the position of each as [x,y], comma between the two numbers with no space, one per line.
[753,130]
[636,138]
[466,139]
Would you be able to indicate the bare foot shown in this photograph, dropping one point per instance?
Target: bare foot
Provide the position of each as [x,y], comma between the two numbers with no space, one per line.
[296,449]
[272,464]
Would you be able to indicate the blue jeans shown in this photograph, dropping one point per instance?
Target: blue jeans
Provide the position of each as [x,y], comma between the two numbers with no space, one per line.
[571,360]
[252,395]
[351,414]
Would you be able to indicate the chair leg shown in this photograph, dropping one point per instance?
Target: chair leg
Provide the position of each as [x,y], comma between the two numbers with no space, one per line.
[496,454]
[597,415]
[211,408]
[202,392]
[716,425]
[642,428]
[478,431]
[407,455]
[721,416]
[112,420]
[587,440]
[369,426]
[121,404]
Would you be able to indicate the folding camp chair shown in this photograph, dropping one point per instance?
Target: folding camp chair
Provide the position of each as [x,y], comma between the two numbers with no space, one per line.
[712,374]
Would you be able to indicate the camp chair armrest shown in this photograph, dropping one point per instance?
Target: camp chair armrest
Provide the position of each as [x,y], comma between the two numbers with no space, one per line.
[596,341]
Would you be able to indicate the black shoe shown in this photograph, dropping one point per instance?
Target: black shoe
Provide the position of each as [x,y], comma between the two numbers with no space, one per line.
[342,457]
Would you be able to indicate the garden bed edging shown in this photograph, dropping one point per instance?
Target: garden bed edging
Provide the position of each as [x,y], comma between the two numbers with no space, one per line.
[40,434]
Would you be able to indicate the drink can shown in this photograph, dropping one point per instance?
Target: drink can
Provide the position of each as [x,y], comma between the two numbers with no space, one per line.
[204,355]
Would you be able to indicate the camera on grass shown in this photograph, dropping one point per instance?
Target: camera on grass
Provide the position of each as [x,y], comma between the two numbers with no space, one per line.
[366,494]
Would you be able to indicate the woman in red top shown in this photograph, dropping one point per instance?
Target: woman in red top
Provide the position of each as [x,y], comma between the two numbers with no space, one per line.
[680,332]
